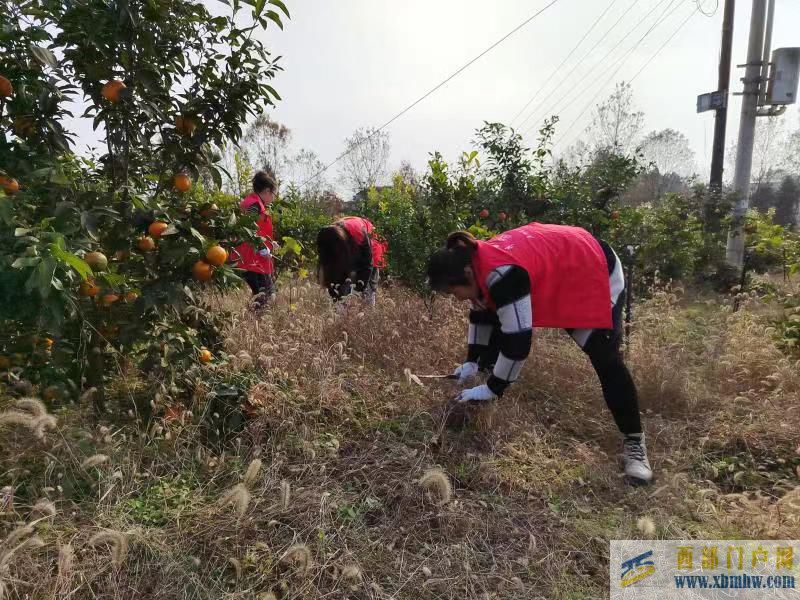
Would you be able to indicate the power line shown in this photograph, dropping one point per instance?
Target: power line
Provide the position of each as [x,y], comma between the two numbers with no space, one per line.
[607,54]
[652,57]
[622,58]
[563,62]
[431,91]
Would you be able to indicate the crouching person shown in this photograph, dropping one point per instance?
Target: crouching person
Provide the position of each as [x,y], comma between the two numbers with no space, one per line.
[543,276]
[350,258]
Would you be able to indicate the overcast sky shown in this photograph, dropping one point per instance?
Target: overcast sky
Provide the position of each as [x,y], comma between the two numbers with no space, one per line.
[355,63]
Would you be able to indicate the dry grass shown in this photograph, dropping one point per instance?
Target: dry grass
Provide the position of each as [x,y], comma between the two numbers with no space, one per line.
[319,495]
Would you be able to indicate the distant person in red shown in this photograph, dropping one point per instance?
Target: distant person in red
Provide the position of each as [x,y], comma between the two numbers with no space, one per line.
[257,263]
[543,276]
[350,255]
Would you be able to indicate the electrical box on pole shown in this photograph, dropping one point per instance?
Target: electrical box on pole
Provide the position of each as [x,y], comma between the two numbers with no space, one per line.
[783,81]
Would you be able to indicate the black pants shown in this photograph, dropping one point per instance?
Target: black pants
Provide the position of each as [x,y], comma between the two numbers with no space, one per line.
[262,286]
[602,346]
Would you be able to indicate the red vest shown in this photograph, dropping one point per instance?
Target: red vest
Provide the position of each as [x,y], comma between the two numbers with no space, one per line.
[358,228]
[567,268]
[246,257]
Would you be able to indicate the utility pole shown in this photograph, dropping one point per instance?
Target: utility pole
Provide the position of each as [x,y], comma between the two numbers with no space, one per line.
[721,116]
[747,125]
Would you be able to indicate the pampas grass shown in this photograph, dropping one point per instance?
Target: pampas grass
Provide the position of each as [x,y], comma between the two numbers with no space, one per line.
[94,461]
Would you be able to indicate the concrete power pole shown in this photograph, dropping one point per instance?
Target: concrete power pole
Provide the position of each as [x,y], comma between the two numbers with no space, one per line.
[747,125]
[721,116]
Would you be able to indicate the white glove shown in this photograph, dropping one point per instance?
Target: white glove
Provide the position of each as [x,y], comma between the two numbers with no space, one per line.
[466,372]
[482,393]
[264,252]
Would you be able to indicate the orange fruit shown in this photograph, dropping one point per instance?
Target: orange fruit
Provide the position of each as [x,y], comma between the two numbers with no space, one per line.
[209,211]
[11,186]
[51,393]
[109,299]
[112,90]
[48,342]
[121,255]
[6,89]
[484,214]
[131,297]
[216,255]
[205,356]
[202,271]
[615,215]
[185,125]
[182,182]
[157,228]
[88,289]
[96,260]
[5,363]
[146,244]
[24,126]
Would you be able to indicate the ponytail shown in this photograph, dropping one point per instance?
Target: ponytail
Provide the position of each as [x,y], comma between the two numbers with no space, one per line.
[446,267]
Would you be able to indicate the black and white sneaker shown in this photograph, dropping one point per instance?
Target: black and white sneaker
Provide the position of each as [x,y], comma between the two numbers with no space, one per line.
[634,459]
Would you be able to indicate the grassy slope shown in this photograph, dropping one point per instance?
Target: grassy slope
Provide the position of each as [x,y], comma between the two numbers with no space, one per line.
[344,437]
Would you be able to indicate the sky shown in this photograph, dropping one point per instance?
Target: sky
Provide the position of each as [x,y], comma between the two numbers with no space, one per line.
[357,63]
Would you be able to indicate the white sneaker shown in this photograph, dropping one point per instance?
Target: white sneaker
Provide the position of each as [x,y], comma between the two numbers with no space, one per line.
[634,459]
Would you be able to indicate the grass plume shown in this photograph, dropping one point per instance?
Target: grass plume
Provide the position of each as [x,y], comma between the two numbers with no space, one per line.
[253,469]
[118,542]
[94,461]
[32,405]
[238,496]
[299,557]
[286,494]
[437,485]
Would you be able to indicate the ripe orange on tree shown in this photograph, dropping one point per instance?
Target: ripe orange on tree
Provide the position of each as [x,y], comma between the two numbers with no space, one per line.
[11,186]
[96,260]
[182,182]
[131,297]
[146,244]
[51,393]
[205,356]
[157,228]
[121,255]
[185,125]
[209,211]
[202,271]
[484,214]
[112,90]
[88,289]
[216,255]
[109,299]
[615,215]
[6,89]
[24,126]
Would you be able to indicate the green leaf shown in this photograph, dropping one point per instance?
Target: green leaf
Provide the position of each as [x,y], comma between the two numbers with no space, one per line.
[258,8]
[71,260]
[275,17]
[41,279]
[197,235]
[25,261]
[44,56]
[282,6]
[216,176]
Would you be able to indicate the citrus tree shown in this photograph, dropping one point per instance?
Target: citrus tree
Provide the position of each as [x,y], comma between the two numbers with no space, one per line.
[106,254]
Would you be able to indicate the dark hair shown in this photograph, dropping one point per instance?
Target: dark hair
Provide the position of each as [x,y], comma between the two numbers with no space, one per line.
[446,266]
[264,181]
[335,256]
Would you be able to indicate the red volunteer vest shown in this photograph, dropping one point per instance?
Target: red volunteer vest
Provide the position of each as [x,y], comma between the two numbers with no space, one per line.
[247,257]
[358,228]
[567,268]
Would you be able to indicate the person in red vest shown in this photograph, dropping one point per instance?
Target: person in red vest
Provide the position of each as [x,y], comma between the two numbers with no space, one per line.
[257,263]
[350,251]
[543,276]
